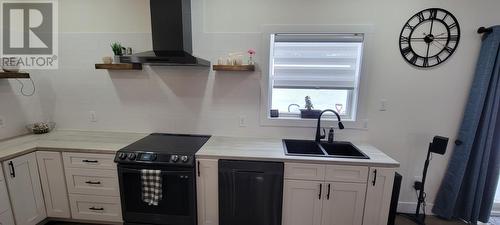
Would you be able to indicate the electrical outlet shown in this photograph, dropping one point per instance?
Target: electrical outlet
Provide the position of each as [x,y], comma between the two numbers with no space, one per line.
[383,105]
[93,116]
[417,185]
[2,122]
[243,121]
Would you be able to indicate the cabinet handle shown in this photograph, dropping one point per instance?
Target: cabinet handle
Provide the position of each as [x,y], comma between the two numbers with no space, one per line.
[328,194]
[320,190]
[12,170]
[374,177]
[97,209]
[93,182]
[198,168]
[89,161]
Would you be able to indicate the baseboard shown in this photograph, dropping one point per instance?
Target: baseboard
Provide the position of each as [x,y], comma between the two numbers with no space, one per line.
[411,207]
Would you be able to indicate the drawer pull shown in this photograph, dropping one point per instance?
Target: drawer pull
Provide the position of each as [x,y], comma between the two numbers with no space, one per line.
[320,190]
[374,177]
[93,182]
[12,170]
[328,194]
[96,209]
[89,161]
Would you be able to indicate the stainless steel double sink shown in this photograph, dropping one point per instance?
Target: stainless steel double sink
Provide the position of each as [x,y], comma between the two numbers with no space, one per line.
[337,149]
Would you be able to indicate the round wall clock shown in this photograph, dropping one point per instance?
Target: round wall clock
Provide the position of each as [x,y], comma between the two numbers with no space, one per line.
[429,37]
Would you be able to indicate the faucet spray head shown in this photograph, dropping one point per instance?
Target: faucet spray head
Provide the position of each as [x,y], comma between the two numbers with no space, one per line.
[341,126]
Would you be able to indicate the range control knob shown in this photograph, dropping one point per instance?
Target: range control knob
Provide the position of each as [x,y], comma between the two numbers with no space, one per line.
[174,158]
[131,156]
[122,156]
[184,158]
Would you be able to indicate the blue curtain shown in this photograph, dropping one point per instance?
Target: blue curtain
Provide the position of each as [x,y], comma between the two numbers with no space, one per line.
[468,187]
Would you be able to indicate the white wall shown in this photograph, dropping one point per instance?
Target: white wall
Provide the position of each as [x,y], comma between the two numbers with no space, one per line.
[421,103]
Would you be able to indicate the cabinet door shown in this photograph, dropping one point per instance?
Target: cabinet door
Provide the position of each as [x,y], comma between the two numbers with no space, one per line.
[4,196]
[25,191]
[302,202]
[343,203]
[54,189]
[207,181]
[378,196]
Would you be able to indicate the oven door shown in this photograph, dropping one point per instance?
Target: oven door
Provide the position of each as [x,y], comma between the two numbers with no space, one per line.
[178,205]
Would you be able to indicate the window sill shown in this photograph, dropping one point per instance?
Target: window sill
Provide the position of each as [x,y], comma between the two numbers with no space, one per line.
[312,123]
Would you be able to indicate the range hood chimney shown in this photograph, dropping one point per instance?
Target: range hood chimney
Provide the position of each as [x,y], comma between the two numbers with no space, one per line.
[172,36]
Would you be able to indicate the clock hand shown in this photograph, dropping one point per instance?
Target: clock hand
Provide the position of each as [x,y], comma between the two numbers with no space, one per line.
[432,25]
[439,38]
[433,43]
[439,43]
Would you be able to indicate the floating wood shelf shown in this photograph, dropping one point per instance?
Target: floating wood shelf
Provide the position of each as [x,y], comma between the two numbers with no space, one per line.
[12,75]
[234,68]
[119,66]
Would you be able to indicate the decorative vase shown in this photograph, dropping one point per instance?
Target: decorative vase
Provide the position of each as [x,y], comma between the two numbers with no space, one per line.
[117,58]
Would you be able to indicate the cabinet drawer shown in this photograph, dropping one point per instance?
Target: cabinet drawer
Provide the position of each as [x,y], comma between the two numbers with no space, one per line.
[4,197]
[357,174]
[304,171]
[6,218]
[90,161]
[99,208]
[92,181]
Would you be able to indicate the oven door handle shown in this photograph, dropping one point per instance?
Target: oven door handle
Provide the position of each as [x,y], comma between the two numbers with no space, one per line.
[138,171]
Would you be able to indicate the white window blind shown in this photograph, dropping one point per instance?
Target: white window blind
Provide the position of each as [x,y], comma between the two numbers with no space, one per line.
[316,61]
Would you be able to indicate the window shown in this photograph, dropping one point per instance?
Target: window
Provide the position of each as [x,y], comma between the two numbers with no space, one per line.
[325,67]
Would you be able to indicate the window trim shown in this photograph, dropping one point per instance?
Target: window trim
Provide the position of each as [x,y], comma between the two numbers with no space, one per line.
[356,122]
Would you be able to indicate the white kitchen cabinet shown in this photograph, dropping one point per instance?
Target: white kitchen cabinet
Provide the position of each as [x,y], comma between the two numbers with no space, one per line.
[98,208]
[318,194]
[378,196]
[207,181]
[54,189]
[343,203]
[5,211]
[92,181]
[4,196]
[89,160]
[302,202]
[25,190]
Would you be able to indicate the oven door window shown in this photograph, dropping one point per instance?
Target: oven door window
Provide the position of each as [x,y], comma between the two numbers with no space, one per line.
[177,202]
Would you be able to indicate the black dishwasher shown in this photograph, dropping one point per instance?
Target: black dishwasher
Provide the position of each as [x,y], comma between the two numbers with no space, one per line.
[250,193]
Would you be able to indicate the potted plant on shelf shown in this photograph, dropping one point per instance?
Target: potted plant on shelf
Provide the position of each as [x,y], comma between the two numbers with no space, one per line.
[309,112]
[117,50]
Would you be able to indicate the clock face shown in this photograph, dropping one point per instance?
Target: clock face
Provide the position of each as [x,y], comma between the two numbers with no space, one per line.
[429,37]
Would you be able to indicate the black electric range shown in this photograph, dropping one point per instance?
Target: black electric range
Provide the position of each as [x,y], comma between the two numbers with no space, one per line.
[174,156]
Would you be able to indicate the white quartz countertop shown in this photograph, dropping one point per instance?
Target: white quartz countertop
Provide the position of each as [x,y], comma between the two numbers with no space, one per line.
[82,141]
[217,147]
[265,149]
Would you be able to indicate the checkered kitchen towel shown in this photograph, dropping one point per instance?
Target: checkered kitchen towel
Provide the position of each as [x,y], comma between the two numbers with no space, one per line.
[151,186]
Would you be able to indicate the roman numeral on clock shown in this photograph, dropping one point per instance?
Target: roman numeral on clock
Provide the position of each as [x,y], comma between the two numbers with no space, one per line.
[406,50]
[404,40]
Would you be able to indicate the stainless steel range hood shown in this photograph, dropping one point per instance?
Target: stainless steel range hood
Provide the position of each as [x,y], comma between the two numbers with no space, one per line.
[172,38]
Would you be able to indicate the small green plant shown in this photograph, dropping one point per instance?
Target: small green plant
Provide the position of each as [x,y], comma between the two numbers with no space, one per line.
[309,105]
[117,48]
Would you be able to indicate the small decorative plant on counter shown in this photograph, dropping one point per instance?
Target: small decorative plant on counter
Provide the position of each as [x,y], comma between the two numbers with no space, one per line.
[117,50]
[309,112]
[41,127]
[251,54]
